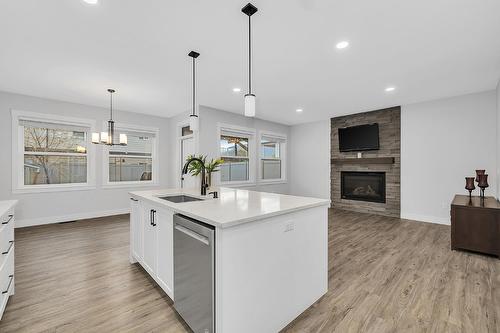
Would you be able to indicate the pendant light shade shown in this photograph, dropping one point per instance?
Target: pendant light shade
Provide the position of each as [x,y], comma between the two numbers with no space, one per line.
[250,105]
[249,10]
[95,138]
[194,121]
[107,138]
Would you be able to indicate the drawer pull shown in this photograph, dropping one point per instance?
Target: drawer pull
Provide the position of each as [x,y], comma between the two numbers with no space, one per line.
[133,199]
[8,286]
[10,247]
[10,218]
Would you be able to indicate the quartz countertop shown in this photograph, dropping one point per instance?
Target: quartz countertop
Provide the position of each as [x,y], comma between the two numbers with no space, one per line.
[233,207]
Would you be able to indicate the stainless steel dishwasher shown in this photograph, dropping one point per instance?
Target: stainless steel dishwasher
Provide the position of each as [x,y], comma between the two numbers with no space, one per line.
[194,273]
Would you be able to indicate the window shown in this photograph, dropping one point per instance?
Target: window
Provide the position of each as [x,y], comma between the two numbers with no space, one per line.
[135,162]
[234,152]
[272,151]
[235,146]
[50,153]
[186,130]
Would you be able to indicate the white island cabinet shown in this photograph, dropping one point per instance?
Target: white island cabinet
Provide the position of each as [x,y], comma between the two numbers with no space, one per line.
[271,252]
[151,241]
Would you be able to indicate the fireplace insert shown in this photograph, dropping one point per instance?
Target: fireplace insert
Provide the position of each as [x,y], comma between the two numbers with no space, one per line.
[363,186]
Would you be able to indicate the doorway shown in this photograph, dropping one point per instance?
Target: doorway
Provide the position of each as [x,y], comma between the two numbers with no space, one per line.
[186,148]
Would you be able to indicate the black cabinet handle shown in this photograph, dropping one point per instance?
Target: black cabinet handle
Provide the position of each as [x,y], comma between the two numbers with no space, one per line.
[133,199]
[10,247]
[151,216]
[10,218]
[154,218]
[8,286]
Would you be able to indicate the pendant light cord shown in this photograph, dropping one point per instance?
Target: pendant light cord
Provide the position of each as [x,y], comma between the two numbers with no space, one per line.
[194,87]
[111,105]
[249,55]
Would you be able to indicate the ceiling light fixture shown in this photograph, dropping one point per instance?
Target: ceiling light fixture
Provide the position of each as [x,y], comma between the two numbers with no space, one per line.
[194,120]
[342,45]
[107,138]
[390,89]
[236,89]
[249,10]
[91,2]
[299,110]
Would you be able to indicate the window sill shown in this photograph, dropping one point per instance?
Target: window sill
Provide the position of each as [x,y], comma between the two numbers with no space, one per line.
[53,188]
[272,182]
[129,185]
[235,184]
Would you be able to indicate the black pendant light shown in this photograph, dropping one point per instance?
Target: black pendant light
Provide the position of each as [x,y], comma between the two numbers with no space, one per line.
[249,10]
[194,120]
[107,138]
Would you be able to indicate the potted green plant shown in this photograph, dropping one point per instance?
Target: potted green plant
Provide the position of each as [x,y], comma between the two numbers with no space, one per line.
[210,167]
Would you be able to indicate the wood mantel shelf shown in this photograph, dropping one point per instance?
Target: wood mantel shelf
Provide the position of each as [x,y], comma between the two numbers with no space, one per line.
[364,160]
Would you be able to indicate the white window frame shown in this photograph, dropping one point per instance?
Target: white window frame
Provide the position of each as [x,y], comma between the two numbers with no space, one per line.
[245,132]
[155,180]
[283,157]
[18,185]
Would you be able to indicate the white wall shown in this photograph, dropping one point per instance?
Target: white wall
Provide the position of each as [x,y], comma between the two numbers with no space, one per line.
[208,142]
[41,208]
[310,159]
[442,142]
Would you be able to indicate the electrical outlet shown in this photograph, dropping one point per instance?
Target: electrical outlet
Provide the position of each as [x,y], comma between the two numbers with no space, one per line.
[289,226]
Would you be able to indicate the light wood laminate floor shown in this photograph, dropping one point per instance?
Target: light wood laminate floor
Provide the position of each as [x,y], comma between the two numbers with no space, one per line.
[386,275]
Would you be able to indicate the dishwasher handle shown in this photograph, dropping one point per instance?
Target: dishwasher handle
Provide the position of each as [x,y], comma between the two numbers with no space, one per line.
[193,234]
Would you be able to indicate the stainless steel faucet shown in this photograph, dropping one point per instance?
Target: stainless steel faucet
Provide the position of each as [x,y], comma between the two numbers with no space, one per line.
[204,184]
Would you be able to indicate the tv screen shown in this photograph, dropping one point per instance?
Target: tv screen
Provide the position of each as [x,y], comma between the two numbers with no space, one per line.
[357,138]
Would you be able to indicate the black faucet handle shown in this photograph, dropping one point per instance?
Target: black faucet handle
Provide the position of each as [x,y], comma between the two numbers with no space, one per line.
[215,193]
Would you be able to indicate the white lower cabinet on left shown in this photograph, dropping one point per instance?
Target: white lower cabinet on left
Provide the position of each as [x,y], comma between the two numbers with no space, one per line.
[152,242]
[7,220]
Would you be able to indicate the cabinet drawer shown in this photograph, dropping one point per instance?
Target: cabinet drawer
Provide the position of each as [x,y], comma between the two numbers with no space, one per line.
[7,273]
[6,237]
[7,218]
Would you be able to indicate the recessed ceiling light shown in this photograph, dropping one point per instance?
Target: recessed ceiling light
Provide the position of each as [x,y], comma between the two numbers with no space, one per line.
[299,110]
[236,89]
[342,45]
[390,89]
[91,2]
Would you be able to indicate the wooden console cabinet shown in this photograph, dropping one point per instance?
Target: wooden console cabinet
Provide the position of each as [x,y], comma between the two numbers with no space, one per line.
[475,224]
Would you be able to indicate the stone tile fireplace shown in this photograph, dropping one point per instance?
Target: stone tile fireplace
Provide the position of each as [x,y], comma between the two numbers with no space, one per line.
[369,183]
[363,186]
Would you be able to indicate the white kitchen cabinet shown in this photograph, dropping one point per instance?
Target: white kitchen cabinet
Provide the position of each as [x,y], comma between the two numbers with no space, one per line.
[149,239]
[165,250]
[136,231]
[7,220]
[152,242]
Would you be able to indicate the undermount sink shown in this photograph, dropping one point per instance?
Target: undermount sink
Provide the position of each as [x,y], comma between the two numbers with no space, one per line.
[180,198]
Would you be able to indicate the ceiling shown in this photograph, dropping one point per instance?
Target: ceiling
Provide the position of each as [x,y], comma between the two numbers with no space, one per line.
[71,51]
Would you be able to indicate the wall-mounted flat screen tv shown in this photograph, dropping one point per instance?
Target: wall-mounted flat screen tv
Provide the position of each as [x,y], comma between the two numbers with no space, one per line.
[357,138]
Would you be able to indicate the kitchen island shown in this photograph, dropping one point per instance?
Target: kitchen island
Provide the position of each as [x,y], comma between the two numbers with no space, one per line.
[270,252]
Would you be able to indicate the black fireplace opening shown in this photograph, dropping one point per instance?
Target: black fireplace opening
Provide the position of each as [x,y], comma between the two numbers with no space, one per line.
[363,186]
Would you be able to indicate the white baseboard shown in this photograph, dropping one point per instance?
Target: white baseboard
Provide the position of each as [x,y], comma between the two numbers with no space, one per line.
[426,218]
[71,217]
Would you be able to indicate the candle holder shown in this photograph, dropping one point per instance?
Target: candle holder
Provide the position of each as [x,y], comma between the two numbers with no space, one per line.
[483,183]
[469,185]
[478,173]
